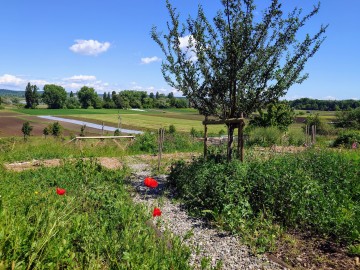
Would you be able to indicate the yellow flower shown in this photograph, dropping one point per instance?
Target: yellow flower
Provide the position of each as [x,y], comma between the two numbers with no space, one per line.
[36,193]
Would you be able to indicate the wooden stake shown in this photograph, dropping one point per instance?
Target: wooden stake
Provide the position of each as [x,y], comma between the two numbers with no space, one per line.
[205,139]
[161,142]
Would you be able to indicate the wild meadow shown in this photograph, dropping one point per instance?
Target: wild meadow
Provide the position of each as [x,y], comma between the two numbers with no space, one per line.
[79,216]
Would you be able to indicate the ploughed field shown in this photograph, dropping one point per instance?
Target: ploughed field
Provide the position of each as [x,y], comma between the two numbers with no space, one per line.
[11,124]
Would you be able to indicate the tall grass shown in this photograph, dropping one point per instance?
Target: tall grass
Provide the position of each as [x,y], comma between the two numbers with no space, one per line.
[95,225]
[15,149]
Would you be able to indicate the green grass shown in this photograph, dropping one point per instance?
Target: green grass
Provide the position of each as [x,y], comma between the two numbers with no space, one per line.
[16,149]
[152,119]
[95,225]
[44,111]
[152,122]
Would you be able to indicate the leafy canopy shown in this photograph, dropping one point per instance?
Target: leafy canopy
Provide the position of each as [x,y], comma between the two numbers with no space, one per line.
[54,96]
[236,63]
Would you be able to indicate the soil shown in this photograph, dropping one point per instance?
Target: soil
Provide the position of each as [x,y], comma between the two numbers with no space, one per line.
[11,124]
[109,163]
[306,251]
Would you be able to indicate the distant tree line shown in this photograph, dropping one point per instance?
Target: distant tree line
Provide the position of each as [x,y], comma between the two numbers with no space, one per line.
[56,97]
[324,105]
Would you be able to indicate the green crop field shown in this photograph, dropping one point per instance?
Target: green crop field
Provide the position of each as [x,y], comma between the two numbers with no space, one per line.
[183,119]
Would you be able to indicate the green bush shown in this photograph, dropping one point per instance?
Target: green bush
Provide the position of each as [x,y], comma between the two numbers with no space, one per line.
[264,136]
[347,138]
[117,132]
[322,128]
[296,137]
[172,129]
[146,142]
[316,191]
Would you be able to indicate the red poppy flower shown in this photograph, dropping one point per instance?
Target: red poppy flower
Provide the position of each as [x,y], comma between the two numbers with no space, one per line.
[60,191]
[156,212]
[150,182]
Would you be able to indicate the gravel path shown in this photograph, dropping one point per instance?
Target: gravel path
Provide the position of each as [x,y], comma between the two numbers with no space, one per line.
[219,248]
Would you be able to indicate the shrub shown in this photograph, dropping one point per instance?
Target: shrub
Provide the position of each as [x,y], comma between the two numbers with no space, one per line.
[347,138]
[146,142]
[172,129]
[26,129]
[117,132]
[46,131]
[56,129]
[322,128]
[316,191]
[348,119]
[82,130]
[296,137]
[264,136]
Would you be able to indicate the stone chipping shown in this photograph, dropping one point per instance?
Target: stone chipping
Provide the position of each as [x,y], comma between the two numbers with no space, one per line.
[219,248]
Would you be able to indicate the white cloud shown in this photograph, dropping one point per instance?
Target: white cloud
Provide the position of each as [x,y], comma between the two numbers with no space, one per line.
[184,41]
[329,98]
[89,47]
[39,83]
[81,78]
[184,45]
[148,60]
[8,79]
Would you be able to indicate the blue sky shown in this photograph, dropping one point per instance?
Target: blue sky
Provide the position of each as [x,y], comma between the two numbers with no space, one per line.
[107,45]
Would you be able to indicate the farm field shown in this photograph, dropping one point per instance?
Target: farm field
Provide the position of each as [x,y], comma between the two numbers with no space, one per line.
[183,119]
[11,123]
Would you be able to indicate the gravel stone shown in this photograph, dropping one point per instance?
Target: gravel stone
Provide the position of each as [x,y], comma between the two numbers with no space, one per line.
[206,243]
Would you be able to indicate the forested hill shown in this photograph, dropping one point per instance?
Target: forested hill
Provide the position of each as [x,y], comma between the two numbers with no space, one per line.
[11,93]
[324,105]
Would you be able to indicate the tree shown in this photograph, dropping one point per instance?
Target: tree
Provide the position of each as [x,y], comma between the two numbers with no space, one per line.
[54,96]
[97,102]
[72,103]
[278,115]
[46,131]
[31,96]
[26,130]
[348,119]
[55,129]
[87,96]
[82,130]
[237,63]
